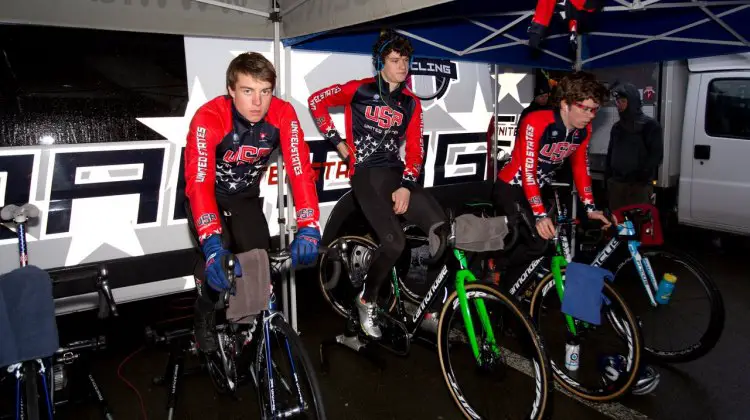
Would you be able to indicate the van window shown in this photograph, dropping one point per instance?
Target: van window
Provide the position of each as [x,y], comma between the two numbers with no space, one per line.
[728,108]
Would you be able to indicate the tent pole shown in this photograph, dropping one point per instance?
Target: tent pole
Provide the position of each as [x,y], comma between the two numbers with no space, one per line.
[279,159]
[579,51]
[494,131]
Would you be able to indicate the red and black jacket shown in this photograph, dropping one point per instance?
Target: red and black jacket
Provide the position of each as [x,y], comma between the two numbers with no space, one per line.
[542,145]
[226,155]
[376,122]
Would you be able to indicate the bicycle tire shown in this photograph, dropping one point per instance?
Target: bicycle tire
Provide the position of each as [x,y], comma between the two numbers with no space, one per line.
[339,307]
[602,394]
[305,375]
[31,391]
[542,408]
[713,333]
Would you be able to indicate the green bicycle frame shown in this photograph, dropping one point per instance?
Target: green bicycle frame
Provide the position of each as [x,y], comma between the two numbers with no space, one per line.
[558,263]
[463,274]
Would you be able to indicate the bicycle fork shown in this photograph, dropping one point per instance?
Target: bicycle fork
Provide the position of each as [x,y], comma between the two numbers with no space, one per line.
[462,276]
[270,366]
[21,401]
[645,272]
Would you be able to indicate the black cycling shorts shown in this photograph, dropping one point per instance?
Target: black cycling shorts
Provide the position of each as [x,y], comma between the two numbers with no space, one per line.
[243,224]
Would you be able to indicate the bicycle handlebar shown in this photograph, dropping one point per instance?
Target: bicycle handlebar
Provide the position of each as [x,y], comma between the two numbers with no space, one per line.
[447,230]
[284,259]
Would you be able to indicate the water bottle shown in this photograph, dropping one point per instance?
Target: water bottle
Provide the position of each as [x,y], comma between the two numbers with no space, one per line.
[572,355]
[666,286]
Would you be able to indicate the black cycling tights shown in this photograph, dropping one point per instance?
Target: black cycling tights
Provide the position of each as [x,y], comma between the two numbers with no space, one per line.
[373,188]
[529,246]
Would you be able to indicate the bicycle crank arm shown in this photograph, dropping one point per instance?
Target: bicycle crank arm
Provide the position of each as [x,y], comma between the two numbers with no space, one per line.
[290,413]
[396,337]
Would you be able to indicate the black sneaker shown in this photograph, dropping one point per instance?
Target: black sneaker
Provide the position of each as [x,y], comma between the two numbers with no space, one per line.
[205,325]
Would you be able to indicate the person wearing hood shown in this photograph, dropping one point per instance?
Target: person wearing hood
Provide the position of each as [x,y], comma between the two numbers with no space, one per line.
[635,151]
[541,100]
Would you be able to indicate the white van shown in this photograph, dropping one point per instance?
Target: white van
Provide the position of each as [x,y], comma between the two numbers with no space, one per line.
[703,106]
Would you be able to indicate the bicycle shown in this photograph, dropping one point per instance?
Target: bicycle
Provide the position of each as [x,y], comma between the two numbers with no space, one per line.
[54,373]
[464,326]
[26,372]
[620,317]
[535,283]
[228,364]
[640,220]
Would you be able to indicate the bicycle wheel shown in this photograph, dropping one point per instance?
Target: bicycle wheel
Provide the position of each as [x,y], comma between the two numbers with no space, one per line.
[287,384]
[669,335]
[32,391]
[357,261]
[618,335]
[222,364]
[514,380]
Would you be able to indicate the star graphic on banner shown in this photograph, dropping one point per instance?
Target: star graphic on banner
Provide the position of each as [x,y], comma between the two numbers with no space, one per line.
[175,129]
[91,229]
[304,63]
[509,86]
[477,118]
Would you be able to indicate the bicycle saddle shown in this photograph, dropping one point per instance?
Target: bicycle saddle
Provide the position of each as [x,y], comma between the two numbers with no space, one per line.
[19,214]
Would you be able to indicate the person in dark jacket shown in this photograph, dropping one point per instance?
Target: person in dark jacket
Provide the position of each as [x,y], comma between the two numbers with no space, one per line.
[635,151]
[541,100]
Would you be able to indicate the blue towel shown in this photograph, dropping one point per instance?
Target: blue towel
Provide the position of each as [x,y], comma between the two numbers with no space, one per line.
[7,338]
[28,326]
[583,297]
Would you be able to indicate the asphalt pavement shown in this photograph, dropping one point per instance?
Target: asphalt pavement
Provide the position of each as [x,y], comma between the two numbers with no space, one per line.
[410,387]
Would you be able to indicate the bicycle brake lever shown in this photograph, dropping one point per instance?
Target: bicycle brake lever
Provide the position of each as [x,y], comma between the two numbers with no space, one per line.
[107,305]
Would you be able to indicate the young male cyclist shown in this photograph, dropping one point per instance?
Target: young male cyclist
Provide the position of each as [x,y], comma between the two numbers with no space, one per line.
[545,139]
[380,112]
[230,141]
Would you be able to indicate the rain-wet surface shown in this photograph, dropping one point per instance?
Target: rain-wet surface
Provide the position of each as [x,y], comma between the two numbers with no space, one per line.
[410,387]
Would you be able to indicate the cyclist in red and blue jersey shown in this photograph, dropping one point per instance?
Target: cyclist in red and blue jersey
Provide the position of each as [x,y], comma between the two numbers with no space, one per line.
[380,113]
[545,139]
[229,143]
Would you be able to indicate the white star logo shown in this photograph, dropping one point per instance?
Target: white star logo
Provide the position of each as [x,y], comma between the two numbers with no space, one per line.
[509,86]
[175,130]
[477,118]
[92,232]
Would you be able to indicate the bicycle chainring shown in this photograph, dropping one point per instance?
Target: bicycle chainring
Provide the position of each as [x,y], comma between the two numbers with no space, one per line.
[396,337]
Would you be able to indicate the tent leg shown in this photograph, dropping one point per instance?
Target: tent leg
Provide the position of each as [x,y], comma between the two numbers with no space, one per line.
[579,53]
[286,304]
[495,131]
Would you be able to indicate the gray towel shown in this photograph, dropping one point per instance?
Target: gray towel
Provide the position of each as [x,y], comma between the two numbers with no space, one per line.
[253,288]
[477,234]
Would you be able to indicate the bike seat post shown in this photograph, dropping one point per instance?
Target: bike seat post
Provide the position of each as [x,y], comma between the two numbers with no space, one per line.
[22,248]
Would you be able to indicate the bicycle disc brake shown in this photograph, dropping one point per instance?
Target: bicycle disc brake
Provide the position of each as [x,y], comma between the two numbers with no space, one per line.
[359,263]
[396,338]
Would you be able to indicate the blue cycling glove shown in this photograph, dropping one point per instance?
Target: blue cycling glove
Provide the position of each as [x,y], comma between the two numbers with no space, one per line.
[216,256]
[304,248]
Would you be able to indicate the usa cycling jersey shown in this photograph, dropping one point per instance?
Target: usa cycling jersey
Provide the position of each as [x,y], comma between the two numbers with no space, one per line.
[226,155]
[376,121]
[541,146]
